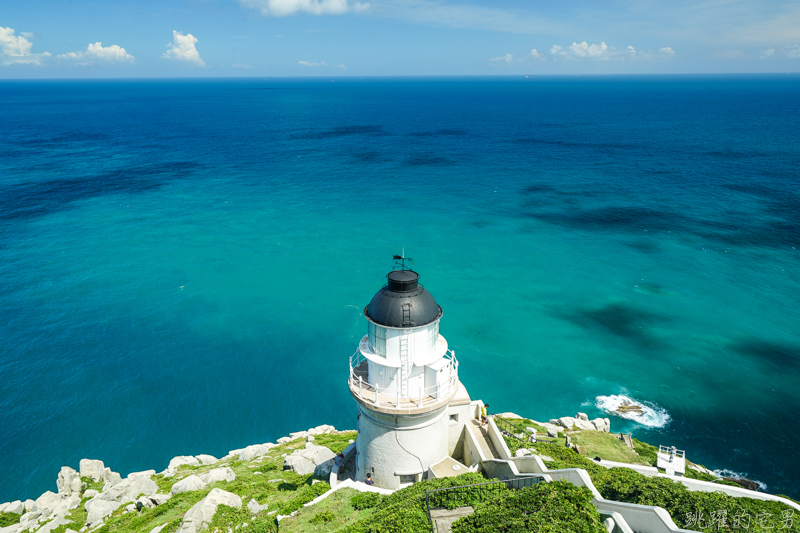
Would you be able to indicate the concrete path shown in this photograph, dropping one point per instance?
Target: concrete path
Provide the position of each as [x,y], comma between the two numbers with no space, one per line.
[443,518]
[482,436]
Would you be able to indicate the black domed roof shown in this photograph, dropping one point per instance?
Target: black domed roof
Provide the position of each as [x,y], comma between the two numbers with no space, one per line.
[403,302]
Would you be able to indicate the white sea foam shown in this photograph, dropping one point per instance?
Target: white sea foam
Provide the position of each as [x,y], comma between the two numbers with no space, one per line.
[724,472]
[651,416]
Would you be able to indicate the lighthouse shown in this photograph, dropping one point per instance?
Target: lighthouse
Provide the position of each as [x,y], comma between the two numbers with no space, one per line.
[404,377]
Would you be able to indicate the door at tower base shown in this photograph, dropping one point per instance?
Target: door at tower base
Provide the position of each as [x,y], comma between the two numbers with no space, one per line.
[398,449]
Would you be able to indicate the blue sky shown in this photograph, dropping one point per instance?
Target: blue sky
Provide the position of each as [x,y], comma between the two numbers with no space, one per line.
[224,38]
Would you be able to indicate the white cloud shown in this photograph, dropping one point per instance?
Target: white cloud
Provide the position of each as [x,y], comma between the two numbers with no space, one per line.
[16,49]
[603,52]
[341,66]
[584,49]
[96,51]
[793,51]
[183,48]
[508,58]
[241,65]
[767,53]
[597,51]
[538,55]
[309,64]
[282,8]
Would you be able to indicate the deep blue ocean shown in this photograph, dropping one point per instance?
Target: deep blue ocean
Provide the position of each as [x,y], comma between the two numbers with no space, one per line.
[184,264]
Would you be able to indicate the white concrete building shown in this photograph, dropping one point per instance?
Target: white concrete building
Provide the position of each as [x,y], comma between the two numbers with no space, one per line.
[411,406]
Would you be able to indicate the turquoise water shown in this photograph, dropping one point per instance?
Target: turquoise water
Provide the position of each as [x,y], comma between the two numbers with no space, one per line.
[184,263]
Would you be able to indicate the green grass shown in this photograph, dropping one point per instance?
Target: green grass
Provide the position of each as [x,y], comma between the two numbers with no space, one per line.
[335,442]
[7,519]
[648,452]
[78,517]
[606,446]
[337,509]
[87,483]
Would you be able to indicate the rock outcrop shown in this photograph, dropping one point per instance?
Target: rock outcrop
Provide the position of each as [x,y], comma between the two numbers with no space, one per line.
[200,515]
[306,460]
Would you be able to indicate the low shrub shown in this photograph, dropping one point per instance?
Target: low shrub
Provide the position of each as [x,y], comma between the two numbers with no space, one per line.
[322,518]
[365,500]
[545,507]
[303,496]
[230,518]
[648,452]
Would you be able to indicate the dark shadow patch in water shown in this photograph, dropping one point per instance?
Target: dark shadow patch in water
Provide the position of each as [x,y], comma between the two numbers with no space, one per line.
[369,157]
[42,198]
[620,218]
[647,247]
[58,140]
[342,131]
[779,356]
[620,320]
[439,133]
[422,160]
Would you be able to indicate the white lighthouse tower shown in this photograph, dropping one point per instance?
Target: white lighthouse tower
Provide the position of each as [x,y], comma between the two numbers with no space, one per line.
[403,378]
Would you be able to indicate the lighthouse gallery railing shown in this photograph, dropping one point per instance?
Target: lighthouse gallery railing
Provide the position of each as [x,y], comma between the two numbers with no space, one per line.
[391,397]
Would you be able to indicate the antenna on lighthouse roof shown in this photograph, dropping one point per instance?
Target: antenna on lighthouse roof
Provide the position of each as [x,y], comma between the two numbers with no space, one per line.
[400,260]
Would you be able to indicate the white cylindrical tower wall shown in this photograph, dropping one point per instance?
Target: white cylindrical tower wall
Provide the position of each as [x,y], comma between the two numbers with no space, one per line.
[398,448]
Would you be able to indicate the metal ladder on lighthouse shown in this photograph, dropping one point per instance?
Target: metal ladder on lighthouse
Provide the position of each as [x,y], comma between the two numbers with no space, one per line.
[405,364]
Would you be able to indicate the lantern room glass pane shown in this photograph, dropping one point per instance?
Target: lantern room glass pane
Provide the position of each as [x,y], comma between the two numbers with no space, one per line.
[377,339]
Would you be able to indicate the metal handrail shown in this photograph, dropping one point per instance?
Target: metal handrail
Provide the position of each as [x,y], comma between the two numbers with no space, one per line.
[422,396]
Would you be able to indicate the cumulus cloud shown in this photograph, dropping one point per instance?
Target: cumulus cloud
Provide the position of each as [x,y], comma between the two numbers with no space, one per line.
[508,58]
[793,51]
[241,65]
[538,55]
[769,52]
[282,8]
[96,51]
[603,52]
[183,48]
[16,49]
[310,64]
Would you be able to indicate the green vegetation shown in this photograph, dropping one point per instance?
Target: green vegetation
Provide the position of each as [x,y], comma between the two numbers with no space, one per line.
[227,518]
[366,500]
[404,511]
[545,507]
[87,484]
[78,517]
[334,513]
[648,452]
[7,519]
[335,442]
[522,423]
[699,511]
[606,446]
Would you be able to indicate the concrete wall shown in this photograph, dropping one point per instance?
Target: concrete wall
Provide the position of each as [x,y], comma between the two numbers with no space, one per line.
[348,453]
[391,445]
[472,450]
[497,439]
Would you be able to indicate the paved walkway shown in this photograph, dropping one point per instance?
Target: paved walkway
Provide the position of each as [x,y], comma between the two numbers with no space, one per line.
[482,436]
[443,518]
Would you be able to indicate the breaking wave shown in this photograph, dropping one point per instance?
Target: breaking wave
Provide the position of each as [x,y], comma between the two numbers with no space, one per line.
[651,415]
[724,472]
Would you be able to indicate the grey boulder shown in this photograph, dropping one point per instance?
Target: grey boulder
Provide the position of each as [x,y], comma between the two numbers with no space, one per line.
[255,450]
[188,484]
[98,509]
[218,474]
[129,489]
[68,482]
[306,460]
[206,459]
[200,515]
[255,508]
[16,507]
